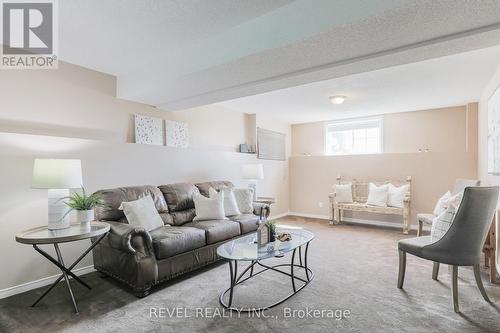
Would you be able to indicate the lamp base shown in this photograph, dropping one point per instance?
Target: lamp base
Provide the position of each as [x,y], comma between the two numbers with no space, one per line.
[253,185]
[58,217]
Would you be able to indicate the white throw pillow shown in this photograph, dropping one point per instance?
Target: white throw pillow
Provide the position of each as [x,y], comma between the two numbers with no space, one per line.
[244,199]
[439,208]
[343,193]
[230,205]
[209,208]
[142,213]
[377,195]
[444,220]
[396,195]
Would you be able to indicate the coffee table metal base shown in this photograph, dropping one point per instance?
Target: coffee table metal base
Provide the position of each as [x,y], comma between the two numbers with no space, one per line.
[236,280]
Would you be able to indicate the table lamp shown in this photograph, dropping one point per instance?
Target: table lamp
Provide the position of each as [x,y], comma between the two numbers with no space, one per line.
[57,176]
[253,172]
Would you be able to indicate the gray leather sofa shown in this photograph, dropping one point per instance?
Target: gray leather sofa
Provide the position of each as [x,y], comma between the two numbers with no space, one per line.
[142,259]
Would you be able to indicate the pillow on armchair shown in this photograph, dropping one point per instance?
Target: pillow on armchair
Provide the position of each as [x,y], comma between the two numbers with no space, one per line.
[443,222]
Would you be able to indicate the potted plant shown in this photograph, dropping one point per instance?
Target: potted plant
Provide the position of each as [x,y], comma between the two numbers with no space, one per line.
[84,205]
[272,230]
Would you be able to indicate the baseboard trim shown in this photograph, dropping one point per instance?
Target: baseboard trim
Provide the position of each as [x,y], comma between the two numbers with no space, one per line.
[40,283]
[358,221]
[278,216]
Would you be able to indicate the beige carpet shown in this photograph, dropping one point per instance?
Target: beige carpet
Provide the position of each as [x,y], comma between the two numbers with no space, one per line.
[355,275]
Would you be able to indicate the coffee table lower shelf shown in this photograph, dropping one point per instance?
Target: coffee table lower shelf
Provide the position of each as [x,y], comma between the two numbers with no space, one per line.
[236,280]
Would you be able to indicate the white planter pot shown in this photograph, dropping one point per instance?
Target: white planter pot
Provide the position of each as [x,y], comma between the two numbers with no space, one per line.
[84,216]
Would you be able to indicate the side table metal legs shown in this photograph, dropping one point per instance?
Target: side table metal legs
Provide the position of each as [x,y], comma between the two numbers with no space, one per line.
[66,272]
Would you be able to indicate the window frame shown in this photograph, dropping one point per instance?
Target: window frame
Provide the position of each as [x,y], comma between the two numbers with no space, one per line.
[353,123]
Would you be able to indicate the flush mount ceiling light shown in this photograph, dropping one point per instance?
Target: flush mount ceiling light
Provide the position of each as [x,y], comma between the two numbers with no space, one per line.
[337,99]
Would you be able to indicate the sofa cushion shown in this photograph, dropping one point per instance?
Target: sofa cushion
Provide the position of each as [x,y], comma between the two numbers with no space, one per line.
[114,197]
[183,216]
[179,196]
[216,185]
[248,222]
[169,241]
[217,230]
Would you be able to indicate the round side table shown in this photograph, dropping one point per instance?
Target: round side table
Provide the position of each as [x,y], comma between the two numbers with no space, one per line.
[41,235]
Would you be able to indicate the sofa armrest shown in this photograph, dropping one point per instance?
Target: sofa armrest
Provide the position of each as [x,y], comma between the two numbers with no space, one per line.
[130,239]
[261,208]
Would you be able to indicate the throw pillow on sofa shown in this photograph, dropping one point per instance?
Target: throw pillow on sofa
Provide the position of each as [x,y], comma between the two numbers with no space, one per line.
[444,220]
[244,199]
[396,195]
[142,213]
[343,193]
[209,208]
[377,195]
[230,204]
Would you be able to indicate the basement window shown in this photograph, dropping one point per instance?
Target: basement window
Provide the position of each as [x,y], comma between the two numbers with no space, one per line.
[352,137]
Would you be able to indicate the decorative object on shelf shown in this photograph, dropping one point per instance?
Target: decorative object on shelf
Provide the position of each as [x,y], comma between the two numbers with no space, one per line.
[253,172]
[176,134]
[84,205]
[57,176]
[284,237]
[148,130]
[272,230]
[494,133]
[244,148]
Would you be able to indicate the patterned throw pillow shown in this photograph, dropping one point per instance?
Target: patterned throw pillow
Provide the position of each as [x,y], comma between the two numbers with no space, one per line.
[439,208]
[244,199]
[443,221]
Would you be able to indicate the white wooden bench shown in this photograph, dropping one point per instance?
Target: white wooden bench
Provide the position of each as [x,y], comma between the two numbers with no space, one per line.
[360,195]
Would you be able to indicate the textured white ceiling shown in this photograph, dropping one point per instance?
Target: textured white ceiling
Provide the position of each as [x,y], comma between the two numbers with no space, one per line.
[177,54]
[441,82]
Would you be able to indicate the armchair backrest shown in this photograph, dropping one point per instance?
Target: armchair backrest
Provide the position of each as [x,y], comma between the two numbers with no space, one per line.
[463,242]
[461,184]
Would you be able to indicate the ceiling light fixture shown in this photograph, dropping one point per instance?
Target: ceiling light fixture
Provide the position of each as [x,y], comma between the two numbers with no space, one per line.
[337,99]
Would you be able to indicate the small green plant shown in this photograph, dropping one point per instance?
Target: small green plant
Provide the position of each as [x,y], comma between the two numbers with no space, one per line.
[83,201]
[272,226]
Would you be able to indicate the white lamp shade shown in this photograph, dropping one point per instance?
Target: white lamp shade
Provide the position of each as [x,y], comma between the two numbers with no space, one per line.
[56,173]
[253,171]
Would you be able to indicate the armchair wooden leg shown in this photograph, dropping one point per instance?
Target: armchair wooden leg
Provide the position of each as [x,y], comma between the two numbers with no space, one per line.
[479,282]
[402,268]
[420,227]
[454,288]
[435,271]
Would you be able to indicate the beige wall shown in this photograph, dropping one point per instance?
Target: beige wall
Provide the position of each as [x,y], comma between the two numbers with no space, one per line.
[450,133]
[486,178]
[440,130]
[72,112]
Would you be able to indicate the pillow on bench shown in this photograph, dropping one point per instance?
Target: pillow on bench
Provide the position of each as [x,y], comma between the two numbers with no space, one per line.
[396,195]
[377,195]
[343,193]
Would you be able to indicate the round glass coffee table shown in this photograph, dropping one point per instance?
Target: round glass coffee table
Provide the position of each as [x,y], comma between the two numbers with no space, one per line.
[245,249]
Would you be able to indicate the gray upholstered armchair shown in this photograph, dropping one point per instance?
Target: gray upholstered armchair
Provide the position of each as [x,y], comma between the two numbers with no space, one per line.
[460,184]
[462,243]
